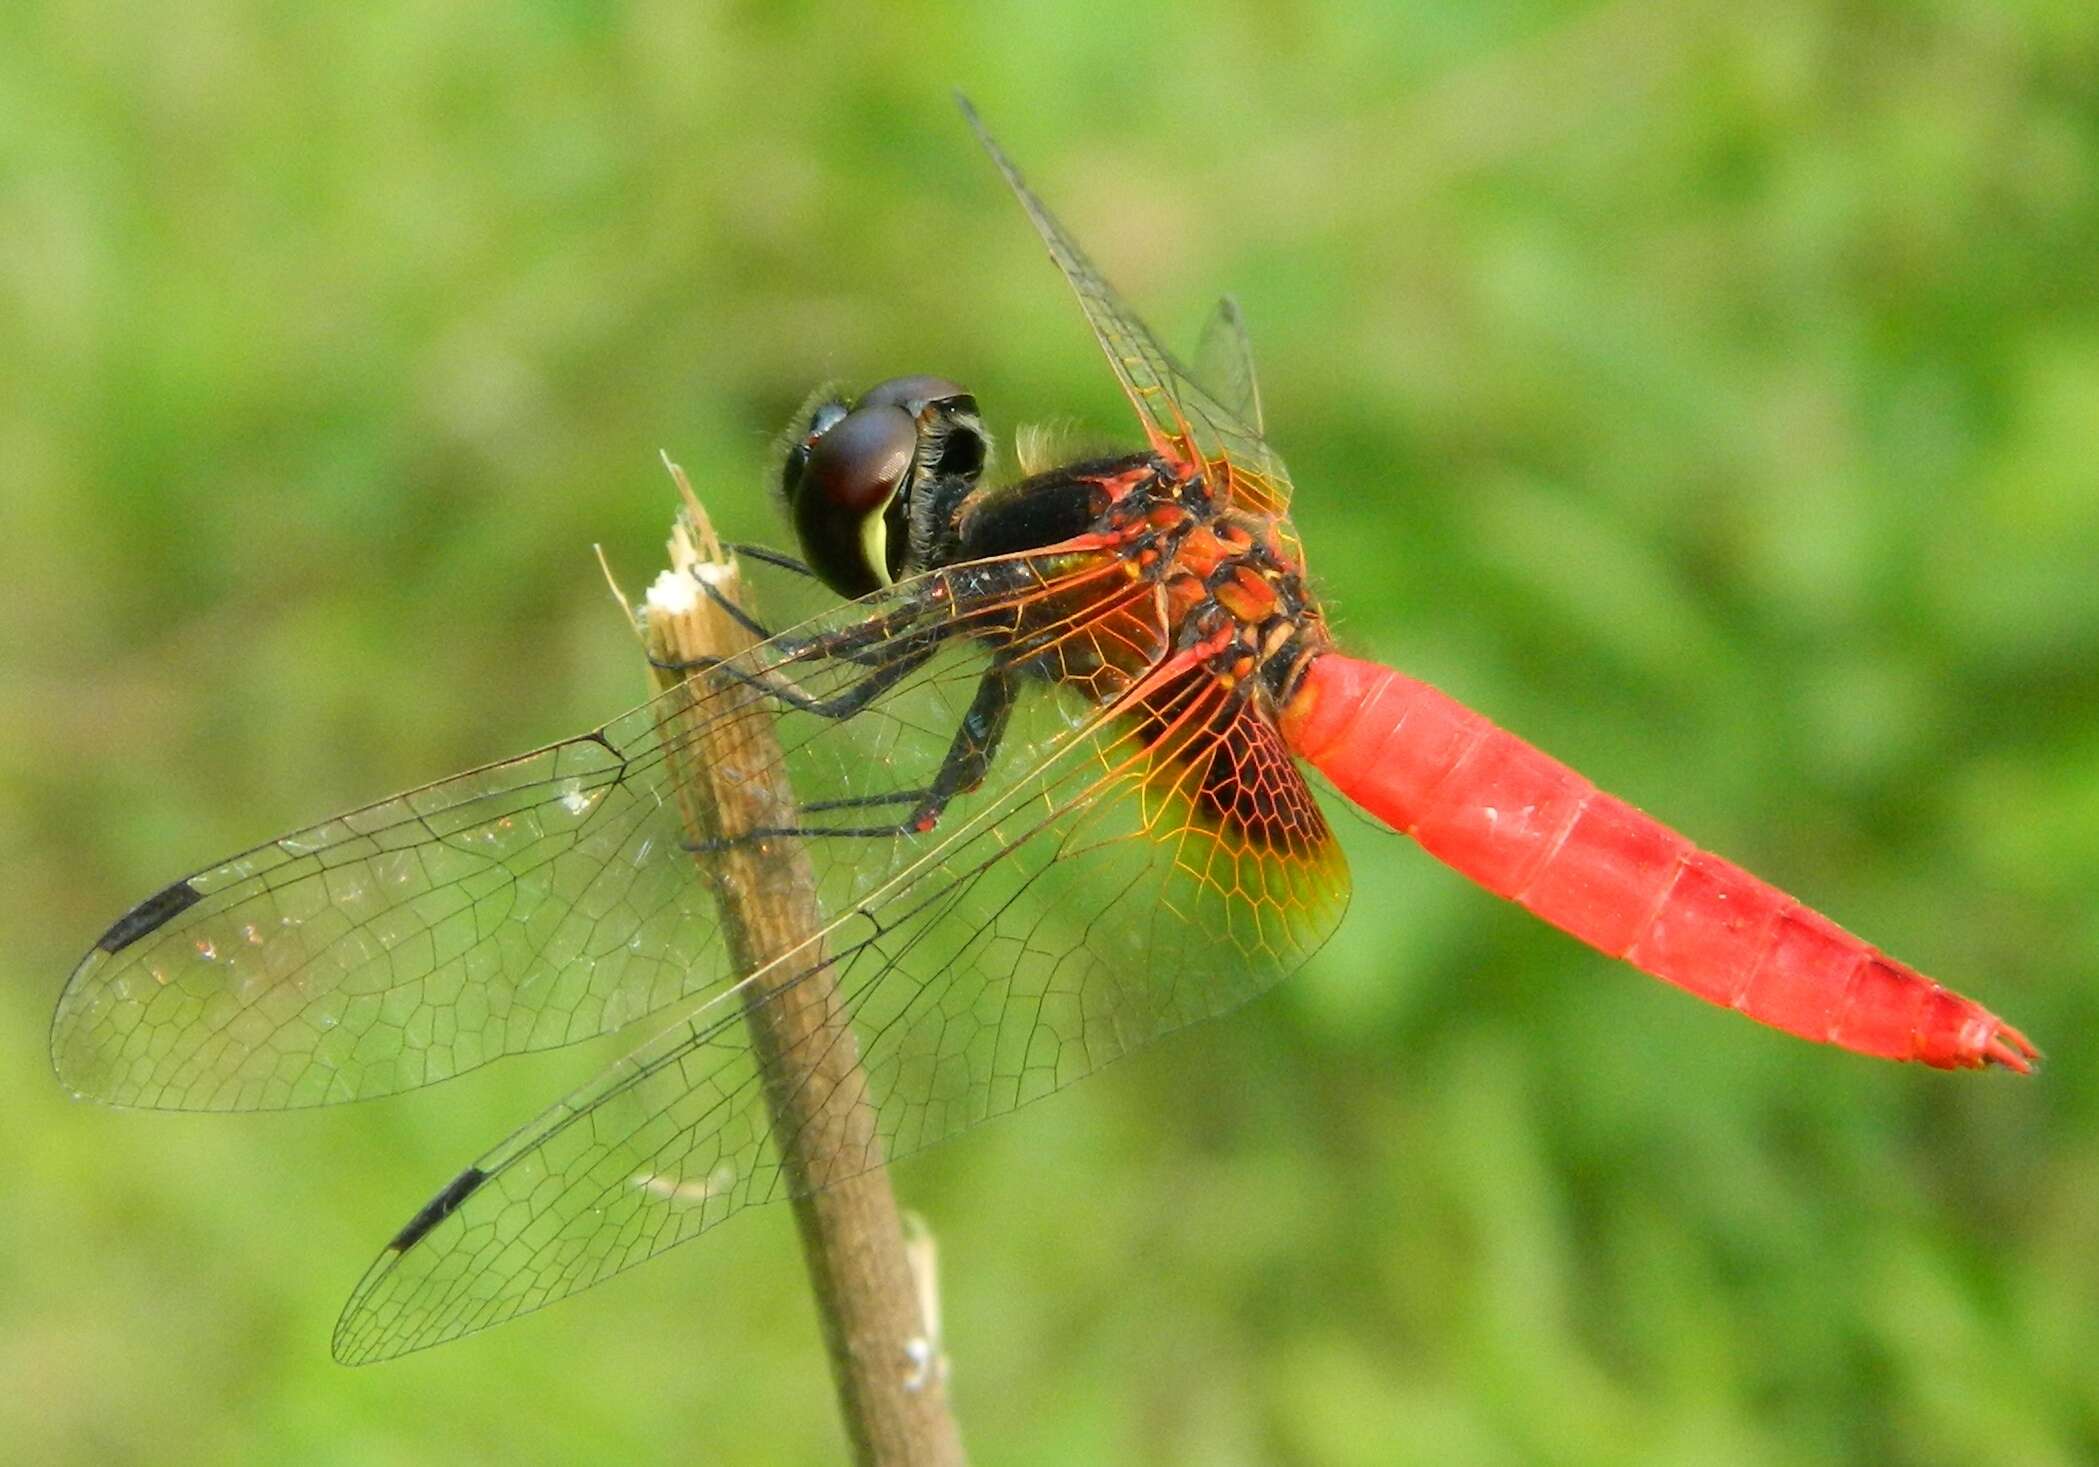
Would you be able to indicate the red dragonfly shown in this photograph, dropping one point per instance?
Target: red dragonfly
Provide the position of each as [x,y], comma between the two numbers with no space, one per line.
[1047,755]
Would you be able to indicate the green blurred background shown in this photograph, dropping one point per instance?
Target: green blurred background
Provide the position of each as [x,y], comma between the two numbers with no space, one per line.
[1712,397]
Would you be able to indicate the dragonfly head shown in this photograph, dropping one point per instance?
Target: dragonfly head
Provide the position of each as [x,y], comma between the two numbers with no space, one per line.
[869,485]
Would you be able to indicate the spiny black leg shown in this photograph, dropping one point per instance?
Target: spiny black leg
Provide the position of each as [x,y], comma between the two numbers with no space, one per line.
[751,624]
[839,705]
[766,555]
[962,769]
[731,609]
[862,802]
[975,744]
[790,649]
[866,643]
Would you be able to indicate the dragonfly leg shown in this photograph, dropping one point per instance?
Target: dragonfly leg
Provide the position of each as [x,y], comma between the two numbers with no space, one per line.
[839,705]
[791,647]
[975,745]
[766,555]
[870,643]
[730,608]
[962,769]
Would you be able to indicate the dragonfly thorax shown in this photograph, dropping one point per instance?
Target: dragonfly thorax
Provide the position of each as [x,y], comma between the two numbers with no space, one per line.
[1235,592]
[890,486]
[1200,576]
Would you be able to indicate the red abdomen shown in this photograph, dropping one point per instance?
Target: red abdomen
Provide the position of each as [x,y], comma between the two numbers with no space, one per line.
[1527,827]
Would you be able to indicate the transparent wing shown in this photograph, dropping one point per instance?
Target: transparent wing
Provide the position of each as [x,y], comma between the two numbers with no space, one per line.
[1224,363]
[1185,423]
[527,904]
[1140,854]
[1157,864]
[532,903]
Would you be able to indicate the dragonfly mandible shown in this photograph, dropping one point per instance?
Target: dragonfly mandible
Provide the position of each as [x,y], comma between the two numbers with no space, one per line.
[1047,758]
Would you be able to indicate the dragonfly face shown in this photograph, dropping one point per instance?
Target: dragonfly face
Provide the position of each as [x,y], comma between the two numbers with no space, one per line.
[867,484]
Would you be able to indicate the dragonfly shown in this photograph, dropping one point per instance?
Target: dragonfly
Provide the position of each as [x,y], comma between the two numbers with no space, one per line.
[1048,749]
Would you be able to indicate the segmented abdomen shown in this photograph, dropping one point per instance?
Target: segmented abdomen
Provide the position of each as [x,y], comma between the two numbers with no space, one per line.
[1527,827]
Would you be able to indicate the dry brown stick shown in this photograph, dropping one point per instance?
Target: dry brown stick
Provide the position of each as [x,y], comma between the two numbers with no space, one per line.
[884,1350]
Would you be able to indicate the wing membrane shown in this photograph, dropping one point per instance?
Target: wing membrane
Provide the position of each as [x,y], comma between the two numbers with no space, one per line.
[1184,421]
[1127,882]
[1224,364]
[1140,856]
[528,904]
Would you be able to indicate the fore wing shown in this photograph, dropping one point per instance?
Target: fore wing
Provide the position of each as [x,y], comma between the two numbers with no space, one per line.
[531,903]
[528,904]
[1120,881]
[1121,871]
[1224,364]
[1183,420]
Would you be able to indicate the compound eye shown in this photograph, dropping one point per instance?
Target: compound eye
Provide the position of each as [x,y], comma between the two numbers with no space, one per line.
[839,499]
[859,462]
[822,420]
[914,393]
[951,434]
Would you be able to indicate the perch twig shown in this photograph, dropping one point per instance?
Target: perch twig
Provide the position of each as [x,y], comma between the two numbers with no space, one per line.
[853,1241]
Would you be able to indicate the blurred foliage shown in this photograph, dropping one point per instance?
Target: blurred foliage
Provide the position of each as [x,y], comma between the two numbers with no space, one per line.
[1710,393]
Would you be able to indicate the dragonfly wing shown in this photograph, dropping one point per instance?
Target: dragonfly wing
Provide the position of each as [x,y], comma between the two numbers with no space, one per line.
[1224,364]
[1163,866]
[532,903]
[526,904]
[1184,421]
